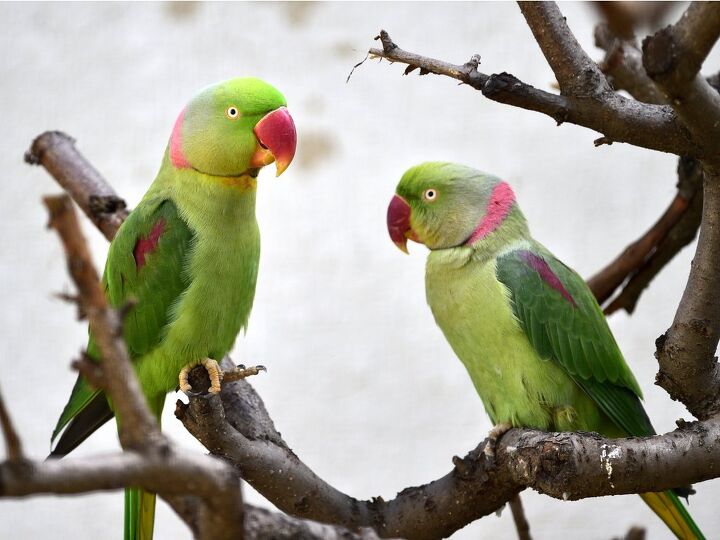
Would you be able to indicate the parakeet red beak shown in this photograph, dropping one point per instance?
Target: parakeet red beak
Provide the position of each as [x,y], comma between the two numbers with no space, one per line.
[277,140]
[398,222]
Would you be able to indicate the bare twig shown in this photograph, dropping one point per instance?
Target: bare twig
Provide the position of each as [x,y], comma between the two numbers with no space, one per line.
[680,235]
[604,283]
[518,514]
[13,445]
[619,119]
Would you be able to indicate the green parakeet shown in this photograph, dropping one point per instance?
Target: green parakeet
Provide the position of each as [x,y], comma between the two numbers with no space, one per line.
[188,255]
[527,328]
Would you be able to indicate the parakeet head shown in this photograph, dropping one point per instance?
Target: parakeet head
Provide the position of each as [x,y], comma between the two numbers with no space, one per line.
[233,128]
[444,205]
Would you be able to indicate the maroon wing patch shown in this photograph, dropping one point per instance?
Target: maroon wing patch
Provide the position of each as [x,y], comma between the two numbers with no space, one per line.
[548,276]
[148,244]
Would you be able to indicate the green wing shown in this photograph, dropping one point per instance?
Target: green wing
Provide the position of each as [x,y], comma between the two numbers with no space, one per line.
[146,263]
[562,320]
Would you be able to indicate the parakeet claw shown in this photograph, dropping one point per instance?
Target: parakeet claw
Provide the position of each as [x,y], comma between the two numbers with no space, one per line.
[217,375]
[493,438]
[214,372]
[241,372]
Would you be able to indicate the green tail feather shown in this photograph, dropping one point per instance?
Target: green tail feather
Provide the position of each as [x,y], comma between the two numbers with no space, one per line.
[140,504]
[139,514]
[668,507]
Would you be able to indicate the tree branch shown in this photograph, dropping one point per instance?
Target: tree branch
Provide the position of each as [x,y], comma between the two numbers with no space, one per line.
[686,352]
[56,152]
[624,68]
[221,515]
[139,430]
[236,426]
[682,233]
[518,514]
[171,475]
[672,58]
[642,260]
[604,283]
[13,445]
[694,36]
[577,74]
[619,119]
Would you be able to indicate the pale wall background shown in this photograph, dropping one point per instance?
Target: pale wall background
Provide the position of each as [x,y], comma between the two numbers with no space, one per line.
[361,382]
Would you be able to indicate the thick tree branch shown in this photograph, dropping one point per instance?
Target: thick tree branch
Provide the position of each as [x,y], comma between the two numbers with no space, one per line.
[56,152]
[672,58]
[686,352]
[623,67]
[637,266]
[619,119]
[175,475]
[577,74]
[236,426]
[695,34]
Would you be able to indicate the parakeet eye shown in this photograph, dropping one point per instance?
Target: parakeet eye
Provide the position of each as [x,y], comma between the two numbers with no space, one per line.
[232,112]
[430,194]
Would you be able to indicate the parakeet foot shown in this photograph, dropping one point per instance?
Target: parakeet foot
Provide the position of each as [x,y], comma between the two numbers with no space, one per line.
[493,438]
[242,372]
[214,372]
[217,375]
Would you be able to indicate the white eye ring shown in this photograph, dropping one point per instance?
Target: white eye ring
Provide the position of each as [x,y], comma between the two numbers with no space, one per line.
[430,194]
[232,112]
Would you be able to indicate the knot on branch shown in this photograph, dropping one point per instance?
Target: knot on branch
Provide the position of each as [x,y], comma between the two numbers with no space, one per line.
[659,53]
[545,463]
[106,204]
[473,466]
[500,83]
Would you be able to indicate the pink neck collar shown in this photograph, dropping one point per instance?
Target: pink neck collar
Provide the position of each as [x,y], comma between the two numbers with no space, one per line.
[501,200]
[177,156]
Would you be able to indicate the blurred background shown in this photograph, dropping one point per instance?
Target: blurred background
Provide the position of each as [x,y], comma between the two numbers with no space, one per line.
[360,381]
